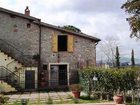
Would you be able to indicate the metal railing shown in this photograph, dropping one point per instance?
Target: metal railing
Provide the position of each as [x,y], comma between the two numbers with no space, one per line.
[9,49]
[9,77]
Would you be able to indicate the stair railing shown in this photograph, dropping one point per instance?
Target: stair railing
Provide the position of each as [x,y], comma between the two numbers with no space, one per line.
[8,76]
[9,49]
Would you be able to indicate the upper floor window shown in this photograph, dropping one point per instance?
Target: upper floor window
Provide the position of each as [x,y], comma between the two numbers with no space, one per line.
[62,43]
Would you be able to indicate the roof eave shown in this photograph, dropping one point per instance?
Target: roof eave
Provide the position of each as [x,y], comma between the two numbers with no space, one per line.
[37,21]
[17,14]
[71,32]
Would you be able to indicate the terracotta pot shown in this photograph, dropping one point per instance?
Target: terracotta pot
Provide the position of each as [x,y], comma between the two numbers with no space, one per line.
[118,99]
[76,94]
[43,84]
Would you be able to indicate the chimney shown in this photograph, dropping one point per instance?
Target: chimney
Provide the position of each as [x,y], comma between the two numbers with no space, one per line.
[27,11]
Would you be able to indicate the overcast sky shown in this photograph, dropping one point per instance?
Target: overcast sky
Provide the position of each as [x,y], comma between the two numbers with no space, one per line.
[100,18]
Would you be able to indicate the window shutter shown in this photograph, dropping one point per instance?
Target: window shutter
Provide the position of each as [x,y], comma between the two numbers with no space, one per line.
[70,43]
[54,42]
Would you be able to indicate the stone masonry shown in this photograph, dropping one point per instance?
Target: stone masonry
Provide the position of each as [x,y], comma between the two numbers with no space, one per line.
[23,34]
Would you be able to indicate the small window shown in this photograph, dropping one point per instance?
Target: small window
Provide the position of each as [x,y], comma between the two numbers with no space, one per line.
[44,66]
[62,43]
[28,25]
[12,16]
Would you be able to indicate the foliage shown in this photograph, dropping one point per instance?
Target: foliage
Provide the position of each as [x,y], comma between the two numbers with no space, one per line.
[72,28]
[3,99]
[49,101]
[107,48]
[36,57]
[108,80]
[75,87]
[133,8]
[75,100]
[24,101]
[117,57]
[132,58]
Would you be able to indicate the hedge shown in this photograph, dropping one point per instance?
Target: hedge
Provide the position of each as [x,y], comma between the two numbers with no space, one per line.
[108,80]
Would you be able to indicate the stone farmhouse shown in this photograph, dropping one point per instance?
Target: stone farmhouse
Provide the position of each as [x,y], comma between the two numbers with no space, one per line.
[36,55]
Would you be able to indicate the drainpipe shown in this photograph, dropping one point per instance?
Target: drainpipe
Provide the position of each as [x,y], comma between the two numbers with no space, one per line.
[95,51]
[39,59]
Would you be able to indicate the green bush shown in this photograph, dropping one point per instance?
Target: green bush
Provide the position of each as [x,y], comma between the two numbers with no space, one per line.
[3,99]
[108,80]
[75,87]
[76,101]
[49,101]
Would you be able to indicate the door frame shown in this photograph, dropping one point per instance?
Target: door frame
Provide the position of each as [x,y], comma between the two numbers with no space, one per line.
[68,73]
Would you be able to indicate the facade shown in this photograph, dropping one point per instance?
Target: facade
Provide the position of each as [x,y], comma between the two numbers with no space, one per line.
[38,55]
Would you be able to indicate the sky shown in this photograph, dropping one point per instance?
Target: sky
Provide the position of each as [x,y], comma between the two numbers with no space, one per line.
[99,18]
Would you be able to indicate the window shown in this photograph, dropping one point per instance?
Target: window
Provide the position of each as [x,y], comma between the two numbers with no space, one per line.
[28,25]
[62,43]
[44,67]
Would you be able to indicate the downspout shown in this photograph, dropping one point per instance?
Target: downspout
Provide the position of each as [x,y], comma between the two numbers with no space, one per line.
[39,59]
[95,51]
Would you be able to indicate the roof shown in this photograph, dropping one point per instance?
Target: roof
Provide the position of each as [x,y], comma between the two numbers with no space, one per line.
[48,25]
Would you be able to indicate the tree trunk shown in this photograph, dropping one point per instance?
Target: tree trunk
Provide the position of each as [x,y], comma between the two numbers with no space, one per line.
[101,95]
[107,96]
[90,89]
[132,96]
[124,96]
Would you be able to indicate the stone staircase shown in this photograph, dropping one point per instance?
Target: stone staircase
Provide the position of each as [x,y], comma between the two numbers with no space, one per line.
[9,78]
[11,51]
[12,62]
[5,87]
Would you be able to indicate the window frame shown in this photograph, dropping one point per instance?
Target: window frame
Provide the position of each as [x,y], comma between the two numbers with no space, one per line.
[66,42]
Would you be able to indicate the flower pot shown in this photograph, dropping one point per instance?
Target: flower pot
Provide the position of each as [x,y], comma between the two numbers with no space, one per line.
[118,99]
[43,84]
[76,94]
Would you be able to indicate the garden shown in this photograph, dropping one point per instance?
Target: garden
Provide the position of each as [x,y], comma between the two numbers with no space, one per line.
[98,85]
[120,84]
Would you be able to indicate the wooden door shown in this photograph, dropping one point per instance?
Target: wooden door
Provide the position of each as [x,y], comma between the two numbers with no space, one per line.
[29,79]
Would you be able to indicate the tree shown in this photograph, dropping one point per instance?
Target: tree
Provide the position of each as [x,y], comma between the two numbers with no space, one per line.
[117,57]
[107,48]
[72,28]
[132,7]
[132,59]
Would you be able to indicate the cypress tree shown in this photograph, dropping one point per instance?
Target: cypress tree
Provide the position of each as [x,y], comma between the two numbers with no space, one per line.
[132,58]
[117,57]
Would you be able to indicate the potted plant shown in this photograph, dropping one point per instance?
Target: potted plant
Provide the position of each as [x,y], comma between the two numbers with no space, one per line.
[118,86]
[118,97]
[76,89]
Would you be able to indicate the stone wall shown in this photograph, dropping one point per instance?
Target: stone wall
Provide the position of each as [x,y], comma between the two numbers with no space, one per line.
[84,51]
[14,30]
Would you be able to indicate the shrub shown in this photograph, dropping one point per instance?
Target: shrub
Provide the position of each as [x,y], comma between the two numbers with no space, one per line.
[76,87]
[3,99]
[49,101]
[108,80]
